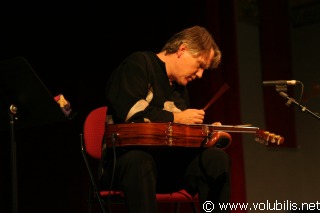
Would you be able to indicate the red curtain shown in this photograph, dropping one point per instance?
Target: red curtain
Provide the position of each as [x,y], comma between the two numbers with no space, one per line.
[220,19]
[276,65]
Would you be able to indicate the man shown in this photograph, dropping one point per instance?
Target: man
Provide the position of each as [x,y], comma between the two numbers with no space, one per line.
[150,87]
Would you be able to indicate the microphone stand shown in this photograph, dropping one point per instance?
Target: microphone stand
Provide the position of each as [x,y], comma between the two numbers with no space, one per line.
[291,100]
[21,88]
[12,114]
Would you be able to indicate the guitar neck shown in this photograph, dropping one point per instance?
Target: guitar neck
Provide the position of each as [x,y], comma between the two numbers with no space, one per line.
[229,128]
[237,129]
[261,135]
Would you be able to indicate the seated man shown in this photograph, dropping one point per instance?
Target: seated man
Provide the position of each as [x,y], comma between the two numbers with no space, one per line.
[151,87]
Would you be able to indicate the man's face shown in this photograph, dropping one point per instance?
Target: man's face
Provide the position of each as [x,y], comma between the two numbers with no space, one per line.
[190,67]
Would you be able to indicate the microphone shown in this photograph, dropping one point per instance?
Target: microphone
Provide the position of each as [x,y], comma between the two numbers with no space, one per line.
[280,82]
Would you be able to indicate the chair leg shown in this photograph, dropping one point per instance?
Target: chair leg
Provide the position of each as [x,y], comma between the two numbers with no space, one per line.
[194,208]
[176,207]
[90,199]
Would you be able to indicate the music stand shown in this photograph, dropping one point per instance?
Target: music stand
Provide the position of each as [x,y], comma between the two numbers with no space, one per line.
[28,103]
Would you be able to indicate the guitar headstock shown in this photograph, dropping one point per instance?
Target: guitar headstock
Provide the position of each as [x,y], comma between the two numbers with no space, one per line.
[266,137]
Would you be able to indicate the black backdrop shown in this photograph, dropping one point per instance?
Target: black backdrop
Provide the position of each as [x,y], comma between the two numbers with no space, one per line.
[73,47]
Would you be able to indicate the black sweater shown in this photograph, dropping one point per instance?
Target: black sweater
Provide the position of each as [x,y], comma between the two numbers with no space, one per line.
[140,75]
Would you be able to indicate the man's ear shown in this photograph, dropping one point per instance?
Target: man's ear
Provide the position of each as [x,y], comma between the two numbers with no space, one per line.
[182,48]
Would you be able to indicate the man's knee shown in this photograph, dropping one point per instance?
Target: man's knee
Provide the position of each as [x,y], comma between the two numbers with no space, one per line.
[138,159]
[217,158]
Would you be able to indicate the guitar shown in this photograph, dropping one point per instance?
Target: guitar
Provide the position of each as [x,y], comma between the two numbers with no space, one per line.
[183,135]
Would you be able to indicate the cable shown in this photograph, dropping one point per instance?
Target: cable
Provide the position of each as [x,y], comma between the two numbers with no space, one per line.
[302,88]
[113,136]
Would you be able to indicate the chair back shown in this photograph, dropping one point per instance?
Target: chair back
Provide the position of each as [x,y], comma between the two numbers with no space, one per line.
[93,131]
[91,144]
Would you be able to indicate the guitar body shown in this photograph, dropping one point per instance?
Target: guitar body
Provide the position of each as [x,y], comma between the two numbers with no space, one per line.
[174,134]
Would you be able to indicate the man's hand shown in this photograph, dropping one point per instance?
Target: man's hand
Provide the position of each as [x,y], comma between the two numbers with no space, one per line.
[189,116]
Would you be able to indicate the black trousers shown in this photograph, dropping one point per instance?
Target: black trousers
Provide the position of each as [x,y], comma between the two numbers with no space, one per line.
[143,172]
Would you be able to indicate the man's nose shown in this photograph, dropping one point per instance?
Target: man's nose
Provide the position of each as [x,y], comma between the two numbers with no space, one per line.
[199,73]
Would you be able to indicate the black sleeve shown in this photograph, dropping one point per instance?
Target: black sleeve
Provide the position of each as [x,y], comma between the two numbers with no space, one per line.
[127,85]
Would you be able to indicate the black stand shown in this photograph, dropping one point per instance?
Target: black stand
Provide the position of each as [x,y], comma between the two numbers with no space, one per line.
[29,104]
[14,195]
[282,89]
[302,108]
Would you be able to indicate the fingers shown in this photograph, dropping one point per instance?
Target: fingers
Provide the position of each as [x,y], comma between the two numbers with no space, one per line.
[201,112]
[189,116]
[198,116]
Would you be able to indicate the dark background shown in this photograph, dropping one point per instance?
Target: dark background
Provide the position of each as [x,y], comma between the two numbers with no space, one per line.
[73,47]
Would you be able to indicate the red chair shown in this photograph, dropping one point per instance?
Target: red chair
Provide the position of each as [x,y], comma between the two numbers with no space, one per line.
[91,141]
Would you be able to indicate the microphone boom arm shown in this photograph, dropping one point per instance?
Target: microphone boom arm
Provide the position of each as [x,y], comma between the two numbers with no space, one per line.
[302,108]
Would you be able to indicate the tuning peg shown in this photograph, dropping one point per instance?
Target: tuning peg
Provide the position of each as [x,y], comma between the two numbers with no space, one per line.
[279,139]
[271,137]
[260,140]
[265,136]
